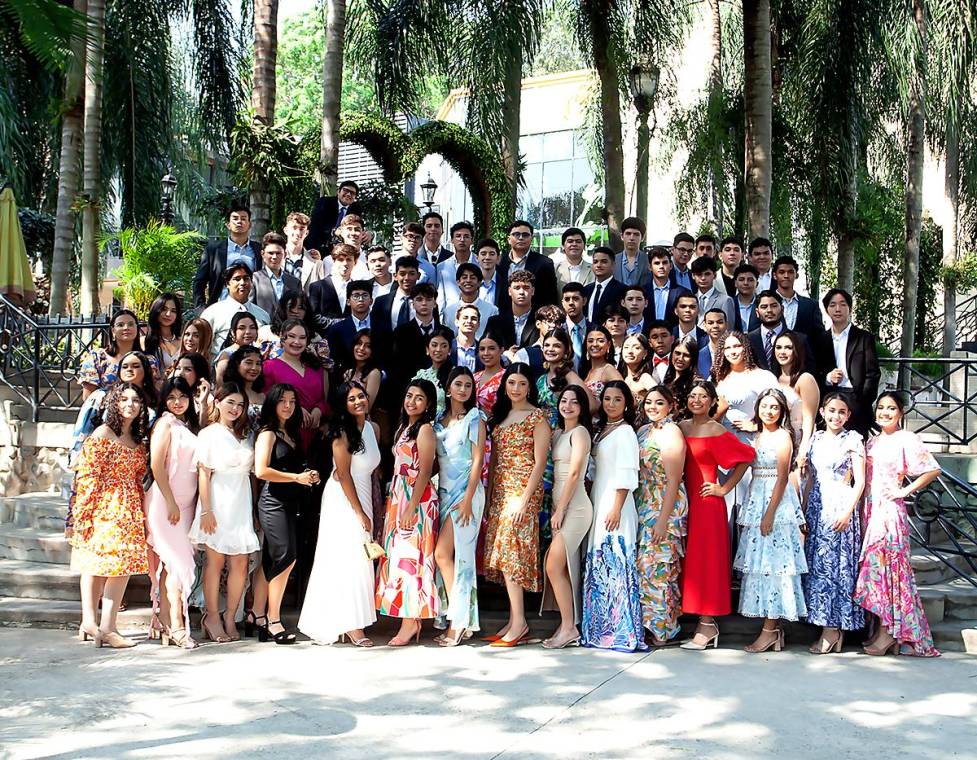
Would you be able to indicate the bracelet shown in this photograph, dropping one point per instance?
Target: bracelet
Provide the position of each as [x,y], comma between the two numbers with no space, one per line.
[205,512]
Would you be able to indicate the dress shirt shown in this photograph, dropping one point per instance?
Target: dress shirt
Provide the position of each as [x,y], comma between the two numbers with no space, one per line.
[790,310]
[577,332]
[425,267]
[448,291]
[340,214]
[360,324]
[765,281]
[636,328]
[684,278]
[517,266]
[340,284]
[465,357]
[426,329]
[382,290]
[594,305]
[397,300]
[840,344]
[486,291]
[659,366]
[687,337]
[520,325]
[661,299]
[277,282]
[220,314]
[767,337]
[293,265]
[630,271]
[745,312]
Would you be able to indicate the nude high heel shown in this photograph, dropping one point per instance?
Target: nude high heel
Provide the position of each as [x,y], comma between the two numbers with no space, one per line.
[777,643]
[711,642]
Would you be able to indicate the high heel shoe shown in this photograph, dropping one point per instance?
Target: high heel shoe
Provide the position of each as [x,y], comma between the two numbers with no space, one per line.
[114,639]
[502,643]
[250,624]
[823,646]
[877,651]
[178,637]
[155,627]
[777,642]
[693,645]
[220,638]
[452,641]
[230,630]
[84,634]
[282,637]
[364,642]
[396,641]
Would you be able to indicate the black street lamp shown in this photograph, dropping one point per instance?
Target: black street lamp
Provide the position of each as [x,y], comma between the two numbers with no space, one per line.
[168,184]
[643,78]
[428,188]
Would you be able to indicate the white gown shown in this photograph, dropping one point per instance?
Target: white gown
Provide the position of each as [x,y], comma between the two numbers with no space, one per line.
[340,597]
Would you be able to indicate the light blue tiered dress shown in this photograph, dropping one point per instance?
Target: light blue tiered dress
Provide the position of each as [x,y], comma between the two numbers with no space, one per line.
[456,445]
[771,565]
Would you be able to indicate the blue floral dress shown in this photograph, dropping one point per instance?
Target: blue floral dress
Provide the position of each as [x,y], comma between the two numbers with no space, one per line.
[771,565]
[832,556]
[456,445]
[611,595]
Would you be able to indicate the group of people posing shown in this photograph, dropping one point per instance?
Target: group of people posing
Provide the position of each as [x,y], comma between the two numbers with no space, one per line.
[627,446]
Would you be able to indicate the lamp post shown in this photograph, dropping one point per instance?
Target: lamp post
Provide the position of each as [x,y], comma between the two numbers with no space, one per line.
[644,85]
[168,185]
[428,188]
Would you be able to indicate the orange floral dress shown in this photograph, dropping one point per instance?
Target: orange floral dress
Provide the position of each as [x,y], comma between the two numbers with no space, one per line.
[511,542]
[108,538]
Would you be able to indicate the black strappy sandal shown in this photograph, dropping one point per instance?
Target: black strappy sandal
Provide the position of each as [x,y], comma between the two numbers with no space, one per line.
[284,637]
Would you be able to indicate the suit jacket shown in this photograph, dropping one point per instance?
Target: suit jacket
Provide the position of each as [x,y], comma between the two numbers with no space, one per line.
[323,221]
[263,293]
[717,299]
[611,293]
[312,271]
[760,354]
[563,274]
[504,328]
[501,300]
[407,357]
[753,324]
[443,255]
[325,303]
[341,334]
[642,270]
[701,337]
[808,319]
[545,293]
[705,360]
[673,294]
[673,278]
[208,282]
[861,367]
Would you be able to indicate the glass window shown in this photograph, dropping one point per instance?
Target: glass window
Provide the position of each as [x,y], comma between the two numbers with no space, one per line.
[531,147]
[558,145]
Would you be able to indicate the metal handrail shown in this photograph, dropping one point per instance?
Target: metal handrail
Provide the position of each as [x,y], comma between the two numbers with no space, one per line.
[943,402]
[946,523]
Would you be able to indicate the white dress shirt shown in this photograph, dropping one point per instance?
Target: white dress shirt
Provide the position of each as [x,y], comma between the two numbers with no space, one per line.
[840,344]
[790,310]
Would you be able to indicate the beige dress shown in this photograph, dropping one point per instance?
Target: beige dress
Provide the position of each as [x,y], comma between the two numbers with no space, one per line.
[576,521]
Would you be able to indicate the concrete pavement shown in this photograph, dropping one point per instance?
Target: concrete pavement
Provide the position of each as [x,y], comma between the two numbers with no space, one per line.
[61,698]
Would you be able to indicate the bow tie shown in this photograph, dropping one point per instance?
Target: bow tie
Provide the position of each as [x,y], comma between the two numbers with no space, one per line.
[659,360]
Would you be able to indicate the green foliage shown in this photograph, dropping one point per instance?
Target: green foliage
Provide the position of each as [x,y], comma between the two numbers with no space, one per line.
[878,251]
[558,49]
[962,274]
[930,255]
[385,205]
[154,259]
[46,28]
[38,230]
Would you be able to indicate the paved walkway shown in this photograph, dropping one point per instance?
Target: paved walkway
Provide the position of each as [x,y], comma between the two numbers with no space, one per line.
[60,698]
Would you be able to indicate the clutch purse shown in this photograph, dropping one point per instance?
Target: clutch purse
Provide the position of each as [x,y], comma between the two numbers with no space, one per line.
[373,550]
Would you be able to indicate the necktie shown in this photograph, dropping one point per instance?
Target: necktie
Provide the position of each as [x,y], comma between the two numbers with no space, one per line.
[578,340]
[593,310]
[340,216]
[404,313]
[702,304]
[768,348]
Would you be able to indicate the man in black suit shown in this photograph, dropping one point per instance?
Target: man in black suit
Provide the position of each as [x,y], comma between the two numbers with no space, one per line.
[770,314]
[605,290]
[847,360]
[801,313]
[329,212]
[494,288]
[661,293]
[521,257]
[431,248]
[745,279]
[272,281]
[392,310]
[518,326]
[328,295]
[208,282]
[687,313]
[410,339]
[341,334]
[574,303]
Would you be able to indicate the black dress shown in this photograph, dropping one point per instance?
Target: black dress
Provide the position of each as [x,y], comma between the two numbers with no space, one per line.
[278,506]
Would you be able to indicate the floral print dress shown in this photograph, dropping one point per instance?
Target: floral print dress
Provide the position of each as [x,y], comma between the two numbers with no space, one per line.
[659,563]
[886,586]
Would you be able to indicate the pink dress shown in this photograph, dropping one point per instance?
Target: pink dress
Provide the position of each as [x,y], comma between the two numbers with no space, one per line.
[169,545]
[886,586]
[308,387]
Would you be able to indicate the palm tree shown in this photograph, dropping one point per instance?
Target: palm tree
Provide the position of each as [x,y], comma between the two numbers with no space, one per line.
[263,96]
[332,94]
[758,112]
[91,178]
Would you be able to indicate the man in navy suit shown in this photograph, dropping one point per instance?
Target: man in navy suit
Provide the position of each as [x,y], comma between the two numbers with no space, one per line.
[661,292]
[683,246]
[801,313]
[687,330]
[494,288]
[208,282]
[715,325]
[605,290]
[574,303]
[521,257]
[745,279]
[518,326]
[341,334]
[410,339]
[394,309]
[770,314]
[464,349]
[328,295]
[328,214]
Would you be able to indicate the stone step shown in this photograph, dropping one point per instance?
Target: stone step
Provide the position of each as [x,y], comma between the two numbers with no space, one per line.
[43,511]
[958,598]
[54,613]
[34,545]
[931,569]
[38,580]
[955,636]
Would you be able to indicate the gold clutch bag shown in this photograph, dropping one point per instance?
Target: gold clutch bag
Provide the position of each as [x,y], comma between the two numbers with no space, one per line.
[373,550]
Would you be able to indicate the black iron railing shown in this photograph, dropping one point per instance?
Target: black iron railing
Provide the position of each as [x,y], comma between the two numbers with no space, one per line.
[942,395]
[945,523]
[40,357]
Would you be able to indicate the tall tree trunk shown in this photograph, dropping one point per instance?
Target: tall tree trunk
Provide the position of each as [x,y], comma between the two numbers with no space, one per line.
[610,107]
[951,191]
[717,194]
[263,97]
[332,94]
[69,170]
[846,260]
[511,120]
[915,147]
[758,112]
[93,149]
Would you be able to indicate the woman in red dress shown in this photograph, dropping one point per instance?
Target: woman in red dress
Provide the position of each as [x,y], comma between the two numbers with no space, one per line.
[706,574]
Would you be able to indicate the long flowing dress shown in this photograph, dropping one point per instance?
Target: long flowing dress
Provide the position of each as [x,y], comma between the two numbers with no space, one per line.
[771,565]
[577,518]
[886,586]
[170,547]
[456,445]
[548,402]
[108,538]
[339,597]
[611,596]
[511,540]
[832,556]
[706,574]
[486,391]
[659,563]
[407,585]
[231,460]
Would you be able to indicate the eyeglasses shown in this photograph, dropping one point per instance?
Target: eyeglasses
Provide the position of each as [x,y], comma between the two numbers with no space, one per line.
[361,296]
[521,235]
[684,250]
[411,236]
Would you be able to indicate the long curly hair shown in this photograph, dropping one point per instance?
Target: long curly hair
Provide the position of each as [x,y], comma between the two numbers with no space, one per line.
[796,367]
[232,372]
[645,366]
[681,382]
[148,386]
[113,419]
[721,366]
[565,367]
[783,420]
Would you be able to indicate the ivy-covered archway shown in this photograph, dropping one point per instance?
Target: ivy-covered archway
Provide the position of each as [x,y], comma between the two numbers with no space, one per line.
[399,155]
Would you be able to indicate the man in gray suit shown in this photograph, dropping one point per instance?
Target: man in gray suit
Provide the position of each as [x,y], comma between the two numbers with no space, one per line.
[301,263]
[703,271]
[631,264]
[573,267]
[272,281]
